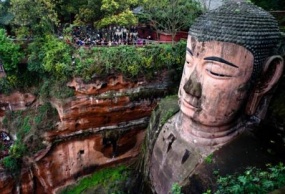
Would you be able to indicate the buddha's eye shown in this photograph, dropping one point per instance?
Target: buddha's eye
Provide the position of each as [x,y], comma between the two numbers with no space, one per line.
[217,74]
[217,70]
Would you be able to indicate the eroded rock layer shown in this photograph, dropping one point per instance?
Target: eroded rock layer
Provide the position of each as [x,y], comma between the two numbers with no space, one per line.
[102,125]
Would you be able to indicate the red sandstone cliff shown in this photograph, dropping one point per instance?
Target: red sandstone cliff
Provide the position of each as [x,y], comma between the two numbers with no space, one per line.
[112,109]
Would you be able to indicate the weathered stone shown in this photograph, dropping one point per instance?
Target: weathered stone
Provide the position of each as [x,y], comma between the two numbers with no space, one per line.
[101,126]
[15,101]
[229,74]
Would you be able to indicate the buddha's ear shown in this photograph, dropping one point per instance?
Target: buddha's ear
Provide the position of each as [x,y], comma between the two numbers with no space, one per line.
[272,72]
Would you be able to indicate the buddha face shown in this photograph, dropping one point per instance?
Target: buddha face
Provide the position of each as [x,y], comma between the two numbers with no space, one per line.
[215,81]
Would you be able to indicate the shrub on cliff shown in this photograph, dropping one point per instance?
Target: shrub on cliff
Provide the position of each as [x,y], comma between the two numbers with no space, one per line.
[49,60]
[50,55]
[27,126]
[13,161]
[109,180]
[52,63]
[11,164]
[253,180]
[53,57]
[10,55]
[131,61]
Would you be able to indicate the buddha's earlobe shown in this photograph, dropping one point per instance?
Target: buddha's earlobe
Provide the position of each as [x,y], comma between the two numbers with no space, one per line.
[272,72]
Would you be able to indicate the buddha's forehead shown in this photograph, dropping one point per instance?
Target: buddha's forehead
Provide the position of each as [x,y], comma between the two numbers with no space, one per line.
[218,48]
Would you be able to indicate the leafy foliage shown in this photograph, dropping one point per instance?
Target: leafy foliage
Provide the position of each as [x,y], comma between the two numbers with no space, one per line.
[50,61]
[108,12]
[128,60]
[5,16]
[117,12]
[12,164]
[86,13]
[209,159]
[54,88]
[10,53]
[49,55]
[103,180]
[125,18]
[27,126]
[53,62]
[57,58]
[33,18]
[171,16]
[253,180]
[29,121]
[176,189]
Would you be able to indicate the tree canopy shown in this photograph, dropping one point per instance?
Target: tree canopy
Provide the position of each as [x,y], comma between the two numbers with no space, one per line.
[29,17]
[171,16]
[102,13]
[10,53]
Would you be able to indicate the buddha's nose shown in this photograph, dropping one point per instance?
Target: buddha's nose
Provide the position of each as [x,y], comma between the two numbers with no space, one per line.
[192,86]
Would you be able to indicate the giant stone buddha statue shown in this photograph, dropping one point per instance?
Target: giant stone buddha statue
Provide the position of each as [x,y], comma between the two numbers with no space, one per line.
[231,65]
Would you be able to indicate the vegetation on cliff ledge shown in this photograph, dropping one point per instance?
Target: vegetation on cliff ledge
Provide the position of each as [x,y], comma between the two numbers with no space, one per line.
[50,63]
[111,180]
[28,127]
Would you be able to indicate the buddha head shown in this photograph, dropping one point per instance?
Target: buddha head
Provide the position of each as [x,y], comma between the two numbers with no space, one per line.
[230,64]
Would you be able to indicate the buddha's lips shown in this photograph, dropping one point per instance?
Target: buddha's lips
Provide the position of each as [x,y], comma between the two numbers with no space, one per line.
[191,102]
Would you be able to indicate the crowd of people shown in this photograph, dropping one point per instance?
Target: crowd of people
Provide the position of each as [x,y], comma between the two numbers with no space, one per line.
[112,36]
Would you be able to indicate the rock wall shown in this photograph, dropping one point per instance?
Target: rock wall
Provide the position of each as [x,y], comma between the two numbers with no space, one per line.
[101,126]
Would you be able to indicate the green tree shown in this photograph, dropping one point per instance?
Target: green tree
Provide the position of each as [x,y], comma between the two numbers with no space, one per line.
[103,13]
[5,16]
[10,54]
[33,18]
[171,16]
[118,12]
[50,56]
[67,9]
[89,12]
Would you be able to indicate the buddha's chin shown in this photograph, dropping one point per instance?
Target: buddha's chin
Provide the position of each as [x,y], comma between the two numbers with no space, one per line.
[195,114]
[188,109]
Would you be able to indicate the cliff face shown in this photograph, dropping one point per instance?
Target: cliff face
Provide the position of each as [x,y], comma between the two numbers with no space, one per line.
[102,125]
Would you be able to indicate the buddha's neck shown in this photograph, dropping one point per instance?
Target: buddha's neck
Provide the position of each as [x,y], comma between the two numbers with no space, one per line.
[207,135]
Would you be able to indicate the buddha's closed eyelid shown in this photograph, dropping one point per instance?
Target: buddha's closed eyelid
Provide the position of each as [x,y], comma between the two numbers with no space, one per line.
[217,70]
[217,74]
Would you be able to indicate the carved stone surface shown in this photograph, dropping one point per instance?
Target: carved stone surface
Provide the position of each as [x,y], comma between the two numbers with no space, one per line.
[230,68]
